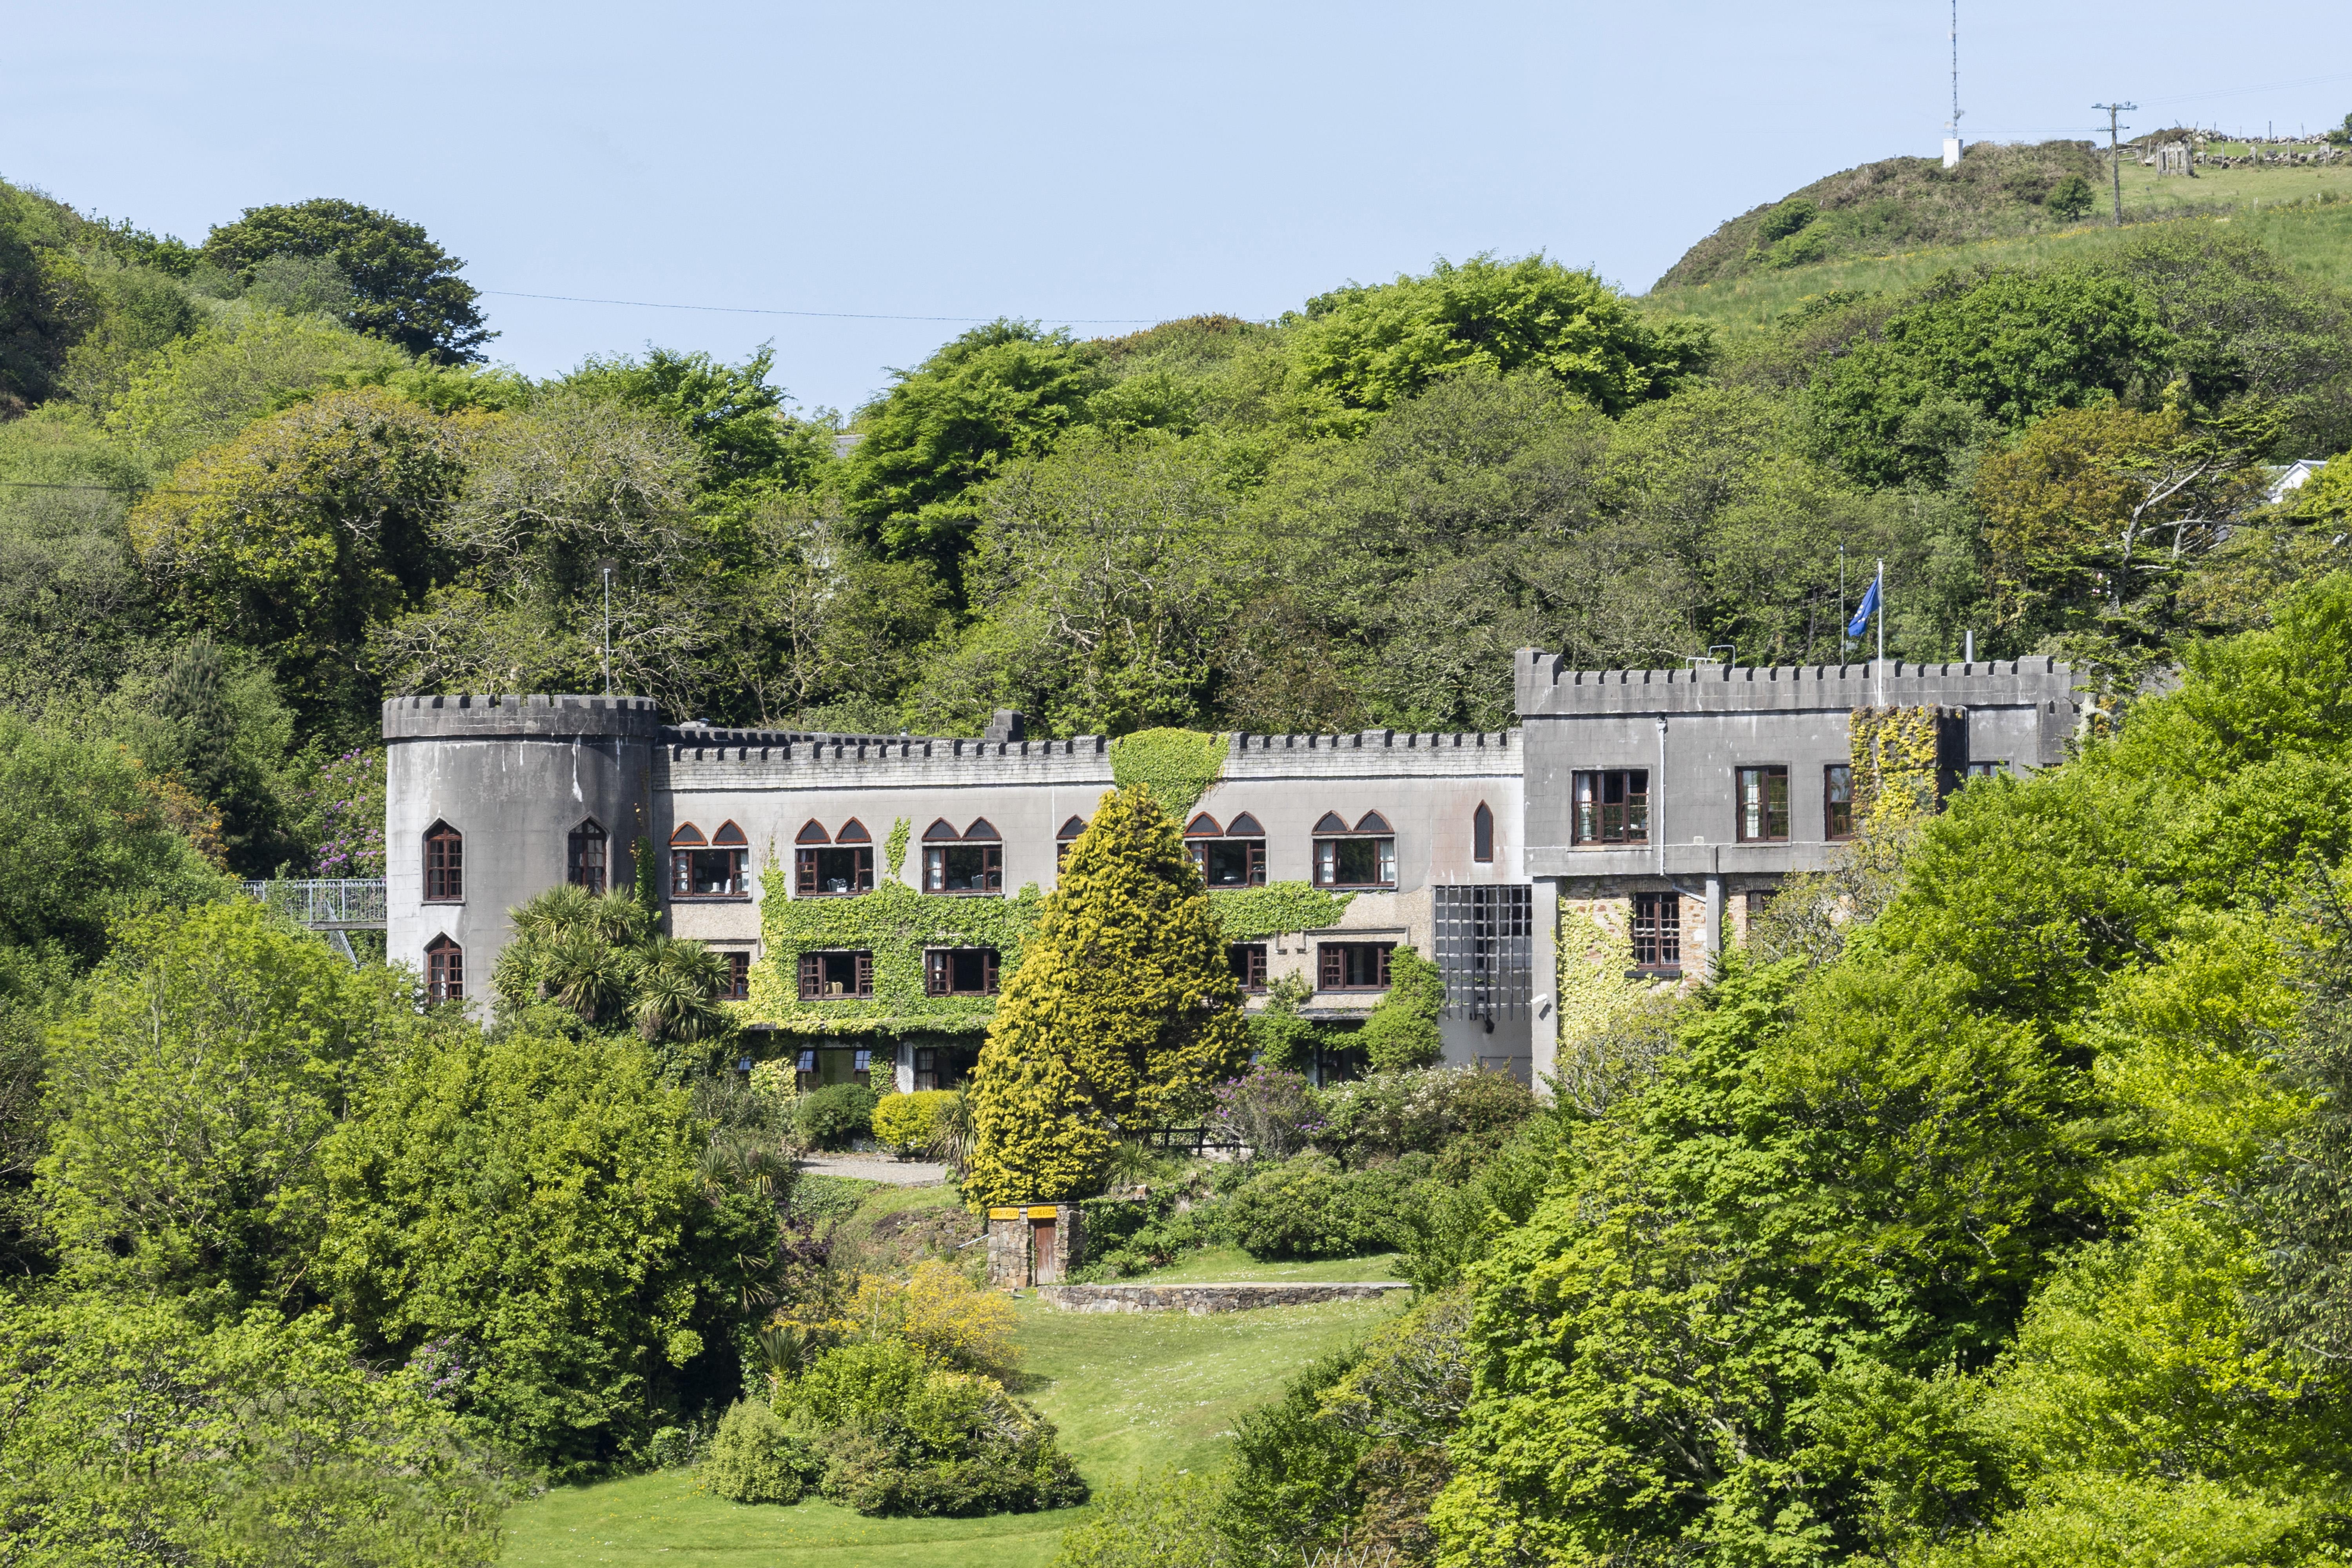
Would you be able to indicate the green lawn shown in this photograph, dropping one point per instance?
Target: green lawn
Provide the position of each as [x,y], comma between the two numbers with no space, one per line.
[1128,1391]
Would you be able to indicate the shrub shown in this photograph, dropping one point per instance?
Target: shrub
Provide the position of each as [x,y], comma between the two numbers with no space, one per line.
[905,1124]
[1295,1485]
[941,1314]
[1307,1208]
[756,1457]
[1271,1110]
[1395,1113]
[1169,1520]
[1402,1031]
[830,1117]
[905,1436]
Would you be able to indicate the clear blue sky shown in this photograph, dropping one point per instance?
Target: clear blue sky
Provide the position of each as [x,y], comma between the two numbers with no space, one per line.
[1062,161]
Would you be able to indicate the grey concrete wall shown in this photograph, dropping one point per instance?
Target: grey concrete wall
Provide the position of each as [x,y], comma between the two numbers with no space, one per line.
[514,775]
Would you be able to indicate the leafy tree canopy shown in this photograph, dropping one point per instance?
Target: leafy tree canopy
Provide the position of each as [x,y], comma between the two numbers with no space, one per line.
[406,287]
[734,417]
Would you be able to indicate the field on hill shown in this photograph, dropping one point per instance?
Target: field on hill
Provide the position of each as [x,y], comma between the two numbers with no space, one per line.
[2316,238]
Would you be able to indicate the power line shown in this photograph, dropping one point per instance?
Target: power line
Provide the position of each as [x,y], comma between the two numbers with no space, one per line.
[814,315]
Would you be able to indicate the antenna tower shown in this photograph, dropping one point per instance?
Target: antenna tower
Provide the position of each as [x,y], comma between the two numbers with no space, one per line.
[1952,126]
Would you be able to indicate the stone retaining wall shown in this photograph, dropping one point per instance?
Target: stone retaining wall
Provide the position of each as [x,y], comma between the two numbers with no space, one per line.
[1202,1299]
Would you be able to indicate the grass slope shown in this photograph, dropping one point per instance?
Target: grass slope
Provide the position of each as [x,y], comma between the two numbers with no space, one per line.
[1127,1391]
[2314,239]
[1906,205]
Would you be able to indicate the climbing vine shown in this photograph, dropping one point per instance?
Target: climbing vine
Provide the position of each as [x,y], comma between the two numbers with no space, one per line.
[1894,756]
[894,923]
[1177,765]
[894,849]
[1252,914]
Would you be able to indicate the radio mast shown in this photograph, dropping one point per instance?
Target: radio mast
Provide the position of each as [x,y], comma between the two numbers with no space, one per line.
[1952,127]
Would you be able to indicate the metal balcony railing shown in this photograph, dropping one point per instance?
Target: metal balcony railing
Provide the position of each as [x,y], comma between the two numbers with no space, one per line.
[325,903]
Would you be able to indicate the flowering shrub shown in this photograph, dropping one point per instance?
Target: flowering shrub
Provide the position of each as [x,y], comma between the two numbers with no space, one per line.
[346,816]
[1269,1109]
[1394,1112]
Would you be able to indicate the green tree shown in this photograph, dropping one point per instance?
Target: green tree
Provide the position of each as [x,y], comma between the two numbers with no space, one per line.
[407,289]
[1402,1031]
[2071,198]
[601,958]
[1362,349]
[1123,1002]
[187,1096]
[730,413]
[206,388]
[1003,391]
[536,1197]
[297,536]
[255,1439]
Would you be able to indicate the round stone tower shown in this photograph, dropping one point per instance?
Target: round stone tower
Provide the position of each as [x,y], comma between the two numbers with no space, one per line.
[490,800]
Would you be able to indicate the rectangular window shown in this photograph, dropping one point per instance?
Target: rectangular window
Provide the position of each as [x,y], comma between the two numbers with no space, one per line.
[1353,965]
[707,874]
[836,976]
[1837,801]
[1485,950]
[1355,862]
[1248,959]
[963,868]
[1986,770]
[445,866]
[1763,804]
[1230,862]
[1658,930]
[959,971]
[861,1064]
[1610,806]
[738,985]
[939,1068]
[833,873]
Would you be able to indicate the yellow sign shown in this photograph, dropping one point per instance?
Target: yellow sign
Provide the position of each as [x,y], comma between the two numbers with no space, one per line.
[1043,1211]
[1005,1213]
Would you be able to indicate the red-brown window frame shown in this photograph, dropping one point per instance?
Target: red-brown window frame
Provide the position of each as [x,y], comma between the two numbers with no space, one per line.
[1657,930]
[939,971]
[1331,965]
[811,975]
[1589,813]
[1249,961]
[445,865]
[1766,774]
[1837,816]
[445,971]
[736,987]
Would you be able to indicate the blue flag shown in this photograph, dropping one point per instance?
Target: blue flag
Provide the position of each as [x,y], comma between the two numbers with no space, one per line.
[1861,621]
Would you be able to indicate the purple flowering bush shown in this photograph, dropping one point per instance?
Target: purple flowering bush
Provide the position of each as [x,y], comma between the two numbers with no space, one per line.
[346,816]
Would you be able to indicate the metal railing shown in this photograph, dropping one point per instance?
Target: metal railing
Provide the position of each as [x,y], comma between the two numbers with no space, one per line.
[325,903]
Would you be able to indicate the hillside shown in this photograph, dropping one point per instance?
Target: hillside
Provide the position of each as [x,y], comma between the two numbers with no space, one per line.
[1999,193]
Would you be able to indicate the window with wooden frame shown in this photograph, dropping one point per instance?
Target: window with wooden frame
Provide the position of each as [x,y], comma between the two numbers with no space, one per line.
[1481,835]
[445,971]
[1658,930]
[1229,857]
[584,857]
[1610,805]
[836,976]
[971,861]
[1248,960]
[959,971]
[711,870]
[1065,838]
[736,987]
[1837,801]
[939,1067]
[833,864]
[445,865]
[1366,858]
[1986,770]
[1352,965]
[1762,797]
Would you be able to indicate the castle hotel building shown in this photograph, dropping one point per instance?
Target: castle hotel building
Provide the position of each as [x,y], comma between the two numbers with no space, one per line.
[1666,805]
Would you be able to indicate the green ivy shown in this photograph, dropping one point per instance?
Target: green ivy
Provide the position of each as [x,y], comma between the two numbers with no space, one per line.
[1249,914]
[1177,765]
[894,923]
[894,849]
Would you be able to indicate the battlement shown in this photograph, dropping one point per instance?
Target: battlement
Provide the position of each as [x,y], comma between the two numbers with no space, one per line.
[1549,687]
[1398,754]
[519,716]
[694,759]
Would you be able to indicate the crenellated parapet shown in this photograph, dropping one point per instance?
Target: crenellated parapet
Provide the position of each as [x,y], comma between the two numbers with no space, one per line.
[1401,753]
[520,715]
[699,760]
[1548,686]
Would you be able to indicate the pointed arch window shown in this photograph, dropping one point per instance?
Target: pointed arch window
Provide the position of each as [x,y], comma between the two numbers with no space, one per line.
[1232,858]
[842,870]
[812,832]
[445,865]
[1065,838]
[714,870]
[1363,856]
[445,971]
[1481,835]
[583,855]
[969,862]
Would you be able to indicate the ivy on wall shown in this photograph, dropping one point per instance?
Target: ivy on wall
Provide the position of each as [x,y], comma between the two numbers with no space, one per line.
[1894,756]
[1177,765]
[1253,914]
[894,849]
[894,923]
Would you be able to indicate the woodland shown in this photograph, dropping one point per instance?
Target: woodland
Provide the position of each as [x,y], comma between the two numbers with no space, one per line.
[1988,1208]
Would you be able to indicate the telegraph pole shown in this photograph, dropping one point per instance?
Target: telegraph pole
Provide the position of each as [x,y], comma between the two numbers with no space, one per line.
[2114,152]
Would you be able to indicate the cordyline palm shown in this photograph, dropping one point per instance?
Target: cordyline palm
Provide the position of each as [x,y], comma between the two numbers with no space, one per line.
[677,984]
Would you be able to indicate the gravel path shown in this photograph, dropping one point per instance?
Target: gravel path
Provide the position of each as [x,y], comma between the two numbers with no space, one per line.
[875,1168]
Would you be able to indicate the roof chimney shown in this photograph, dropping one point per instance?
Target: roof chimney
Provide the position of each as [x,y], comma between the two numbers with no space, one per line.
[1007,725]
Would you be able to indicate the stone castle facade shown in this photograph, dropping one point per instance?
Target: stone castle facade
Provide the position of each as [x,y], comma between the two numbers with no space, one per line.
[868,892]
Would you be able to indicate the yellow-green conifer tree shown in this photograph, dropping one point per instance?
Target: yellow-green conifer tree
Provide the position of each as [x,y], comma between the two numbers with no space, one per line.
[1123,1000]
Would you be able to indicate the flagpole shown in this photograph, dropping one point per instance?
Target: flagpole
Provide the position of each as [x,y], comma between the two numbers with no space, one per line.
[1880,673]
